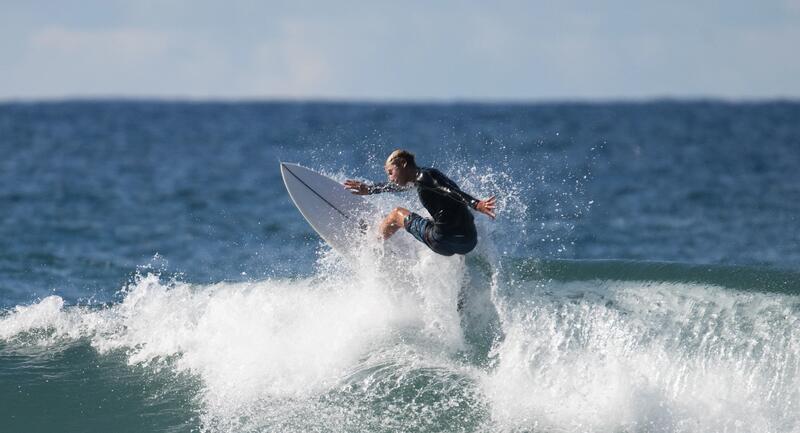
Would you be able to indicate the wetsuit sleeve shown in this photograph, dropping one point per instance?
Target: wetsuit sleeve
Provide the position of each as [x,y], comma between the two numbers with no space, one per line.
[437,182]
[380,187]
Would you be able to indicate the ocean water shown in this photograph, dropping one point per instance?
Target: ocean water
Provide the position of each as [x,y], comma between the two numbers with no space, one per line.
[642,274]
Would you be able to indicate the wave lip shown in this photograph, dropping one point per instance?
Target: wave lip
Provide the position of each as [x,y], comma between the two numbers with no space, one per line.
[748,278]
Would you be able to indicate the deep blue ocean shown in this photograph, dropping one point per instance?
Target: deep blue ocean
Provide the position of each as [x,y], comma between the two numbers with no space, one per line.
[642,275]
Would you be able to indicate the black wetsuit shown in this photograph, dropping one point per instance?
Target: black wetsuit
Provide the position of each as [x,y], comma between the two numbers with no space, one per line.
[452,228]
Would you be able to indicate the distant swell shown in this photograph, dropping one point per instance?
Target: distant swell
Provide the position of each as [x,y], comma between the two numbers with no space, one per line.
[747,278]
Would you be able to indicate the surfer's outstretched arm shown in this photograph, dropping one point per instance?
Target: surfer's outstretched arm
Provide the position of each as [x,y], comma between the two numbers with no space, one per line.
[361,188]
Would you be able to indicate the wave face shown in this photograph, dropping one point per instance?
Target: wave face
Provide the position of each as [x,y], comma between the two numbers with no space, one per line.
[441,345]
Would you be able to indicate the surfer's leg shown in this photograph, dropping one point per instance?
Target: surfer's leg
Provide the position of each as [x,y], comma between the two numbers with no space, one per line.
[419,227]
[392,223]
[444,244]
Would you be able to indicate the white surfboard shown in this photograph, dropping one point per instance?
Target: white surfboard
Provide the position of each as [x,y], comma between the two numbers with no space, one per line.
[336,214]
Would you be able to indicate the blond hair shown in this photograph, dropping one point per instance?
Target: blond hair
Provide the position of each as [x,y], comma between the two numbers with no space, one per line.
[401,156]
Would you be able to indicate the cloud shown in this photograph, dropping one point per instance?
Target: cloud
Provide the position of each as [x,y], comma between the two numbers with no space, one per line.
[295,64]
[126,61]
[124,45]
[792,5]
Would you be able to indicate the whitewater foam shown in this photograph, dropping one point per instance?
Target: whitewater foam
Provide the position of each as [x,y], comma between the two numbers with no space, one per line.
[604,356]
[353,351]
[258,343]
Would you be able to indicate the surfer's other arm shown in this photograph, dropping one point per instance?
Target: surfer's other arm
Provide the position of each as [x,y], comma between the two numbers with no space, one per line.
[433,180]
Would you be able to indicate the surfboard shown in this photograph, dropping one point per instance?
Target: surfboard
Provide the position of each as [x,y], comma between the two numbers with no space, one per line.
[336,214]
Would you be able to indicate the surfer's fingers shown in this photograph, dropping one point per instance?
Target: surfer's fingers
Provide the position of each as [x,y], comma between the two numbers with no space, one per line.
[355,186]
[489,201]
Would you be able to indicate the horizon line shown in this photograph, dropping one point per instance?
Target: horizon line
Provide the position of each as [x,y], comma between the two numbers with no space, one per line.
[399,101]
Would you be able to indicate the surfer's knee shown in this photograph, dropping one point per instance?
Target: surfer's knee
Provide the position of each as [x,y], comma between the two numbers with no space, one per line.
[393,222]
[400,213]
[396,217]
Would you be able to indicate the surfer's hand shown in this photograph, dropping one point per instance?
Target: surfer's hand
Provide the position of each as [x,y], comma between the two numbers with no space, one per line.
[356,187]
[487,206]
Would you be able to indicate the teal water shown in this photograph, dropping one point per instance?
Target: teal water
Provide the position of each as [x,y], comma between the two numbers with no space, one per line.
[642,274]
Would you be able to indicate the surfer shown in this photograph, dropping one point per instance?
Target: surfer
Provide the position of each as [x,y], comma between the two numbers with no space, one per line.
[451,228]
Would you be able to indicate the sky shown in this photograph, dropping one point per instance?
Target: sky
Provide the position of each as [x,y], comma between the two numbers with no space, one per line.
[400,50]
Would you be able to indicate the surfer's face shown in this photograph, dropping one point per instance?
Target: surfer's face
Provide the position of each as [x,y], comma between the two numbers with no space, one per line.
[397,174]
